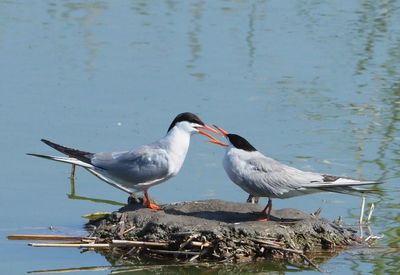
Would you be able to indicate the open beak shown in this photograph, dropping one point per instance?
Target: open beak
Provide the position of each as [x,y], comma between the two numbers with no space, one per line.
[213,139]
[223,132]
[208,128]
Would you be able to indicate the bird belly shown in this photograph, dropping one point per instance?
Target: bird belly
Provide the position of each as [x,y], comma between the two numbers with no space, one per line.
[146,185]
[235,171]
[128,181]
[255,189]
[297,192]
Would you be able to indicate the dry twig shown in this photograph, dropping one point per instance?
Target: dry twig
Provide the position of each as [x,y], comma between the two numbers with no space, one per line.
[139,243]
[28,237]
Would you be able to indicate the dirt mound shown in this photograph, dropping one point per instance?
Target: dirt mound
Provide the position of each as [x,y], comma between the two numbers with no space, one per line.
[216,230]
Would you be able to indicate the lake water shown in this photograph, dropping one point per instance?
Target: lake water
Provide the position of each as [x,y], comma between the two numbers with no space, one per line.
[314,84]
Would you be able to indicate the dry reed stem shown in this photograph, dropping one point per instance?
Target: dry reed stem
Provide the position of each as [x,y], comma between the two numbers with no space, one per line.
[28,237]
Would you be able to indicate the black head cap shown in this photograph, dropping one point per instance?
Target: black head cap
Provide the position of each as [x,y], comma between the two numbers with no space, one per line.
[189,117]
[240,143]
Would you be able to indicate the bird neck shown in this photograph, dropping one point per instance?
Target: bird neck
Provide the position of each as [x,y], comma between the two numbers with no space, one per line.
[176,142]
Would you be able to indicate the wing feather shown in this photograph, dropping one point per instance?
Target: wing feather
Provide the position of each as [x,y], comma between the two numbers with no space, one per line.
[262,176]
[274,179]
[146,164]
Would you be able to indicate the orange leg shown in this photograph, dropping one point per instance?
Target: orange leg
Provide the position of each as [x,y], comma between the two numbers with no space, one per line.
[149,204]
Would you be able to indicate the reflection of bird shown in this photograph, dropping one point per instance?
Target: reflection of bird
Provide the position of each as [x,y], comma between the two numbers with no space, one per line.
[261,176]
[145,166]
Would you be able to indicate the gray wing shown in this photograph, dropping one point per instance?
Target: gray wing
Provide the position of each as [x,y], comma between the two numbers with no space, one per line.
[285,181]
[275,179]
[146,164]
[270,178]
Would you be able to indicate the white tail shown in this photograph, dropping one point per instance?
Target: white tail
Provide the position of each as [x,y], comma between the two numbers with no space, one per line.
[65,159]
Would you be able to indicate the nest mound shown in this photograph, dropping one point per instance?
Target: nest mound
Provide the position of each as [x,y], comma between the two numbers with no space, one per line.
[216,230]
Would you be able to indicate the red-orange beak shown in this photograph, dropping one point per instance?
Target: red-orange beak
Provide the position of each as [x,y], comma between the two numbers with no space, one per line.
[208,128]
[223,132]
[213,139]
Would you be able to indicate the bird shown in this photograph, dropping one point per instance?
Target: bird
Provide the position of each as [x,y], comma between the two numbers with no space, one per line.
[262,176]
[143,167]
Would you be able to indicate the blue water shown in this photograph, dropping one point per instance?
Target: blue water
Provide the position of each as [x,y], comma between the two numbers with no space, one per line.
[313,84]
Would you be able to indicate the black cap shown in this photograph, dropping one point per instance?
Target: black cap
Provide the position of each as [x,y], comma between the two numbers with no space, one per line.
[240,142]
[189,117]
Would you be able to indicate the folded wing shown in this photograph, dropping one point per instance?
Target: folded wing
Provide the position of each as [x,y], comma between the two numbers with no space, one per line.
[144,165]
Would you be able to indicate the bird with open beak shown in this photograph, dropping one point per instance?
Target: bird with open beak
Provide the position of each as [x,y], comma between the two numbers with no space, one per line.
[143,167]
[261,176]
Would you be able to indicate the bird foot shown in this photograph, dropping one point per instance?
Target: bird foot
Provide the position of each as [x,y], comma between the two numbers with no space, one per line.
[153,206]
[149,204]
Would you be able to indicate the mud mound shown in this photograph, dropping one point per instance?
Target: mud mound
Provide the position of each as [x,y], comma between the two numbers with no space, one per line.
[216,230]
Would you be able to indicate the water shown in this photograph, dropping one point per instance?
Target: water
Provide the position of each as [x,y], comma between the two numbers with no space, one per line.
[311,83]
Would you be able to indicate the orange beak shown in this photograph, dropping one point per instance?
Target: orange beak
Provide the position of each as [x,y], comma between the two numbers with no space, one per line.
[223,132]
[213,139]
[208,128]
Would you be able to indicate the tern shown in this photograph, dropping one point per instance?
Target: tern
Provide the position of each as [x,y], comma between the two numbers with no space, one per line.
[261,176]
[143,167]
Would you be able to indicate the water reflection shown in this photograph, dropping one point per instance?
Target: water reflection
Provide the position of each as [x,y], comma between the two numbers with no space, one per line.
[165,267]
[250,35]
[375,29]
[85,14]
[196,11]
[73,196]
[141,7]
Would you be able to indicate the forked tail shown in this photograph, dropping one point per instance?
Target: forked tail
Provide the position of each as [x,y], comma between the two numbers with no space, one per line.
[350,187]
[74,153]
[64,159]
